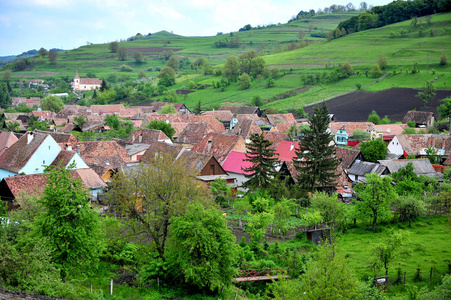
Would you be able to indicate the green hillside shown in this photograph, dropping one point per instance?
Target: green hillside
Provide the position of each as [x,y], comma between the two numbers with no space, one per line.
[418,45]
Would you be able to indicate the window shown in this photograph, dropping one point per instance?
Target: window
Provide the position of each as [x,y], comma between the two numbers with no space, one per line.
[212,169]
[43,162]
[49,147]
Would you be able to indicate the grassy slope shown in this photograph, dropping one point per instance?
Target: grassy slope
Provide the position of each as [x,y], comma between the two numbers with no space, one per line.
[360,49]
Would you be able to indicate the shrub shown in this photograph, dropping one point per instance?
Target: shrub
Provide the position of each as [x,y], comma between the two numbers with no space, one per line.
[126,68]
[358,85]
[376,71]
[443,59]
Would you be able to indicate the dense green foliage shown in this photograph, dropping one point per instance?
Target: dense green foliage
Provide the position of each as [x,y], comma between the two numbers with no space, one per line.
[374,150]
[315,161]
[163,126]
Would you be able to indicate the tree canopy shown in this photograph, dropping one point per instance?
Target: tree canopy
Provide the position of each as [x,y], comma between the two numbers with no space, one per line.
[163,126]
[374,150]
[52,103]
[315,158]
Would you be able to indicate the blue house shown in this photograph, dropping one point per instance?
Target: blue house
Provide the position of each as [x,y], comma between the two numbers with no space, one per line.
[341,137]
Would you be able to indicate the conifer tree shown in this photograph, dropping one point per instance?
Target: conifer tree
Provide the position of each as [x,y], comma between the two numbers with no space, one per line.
[263,159]
[315,158]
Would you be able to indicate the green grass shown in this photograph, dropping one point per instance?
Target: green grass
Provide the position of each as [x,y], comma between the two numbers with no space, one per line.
[428,241]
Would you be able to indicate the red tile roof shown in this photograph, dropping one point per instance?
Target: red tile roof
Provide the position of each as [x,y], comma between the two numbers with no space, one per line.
[90,81]
[276,138]
[103,109]
[286,150]
[281,118]
[147,136]
[7,139]
[220,145]
[349,127]
[222,115]
[194,133]
[235,162]
[215,125]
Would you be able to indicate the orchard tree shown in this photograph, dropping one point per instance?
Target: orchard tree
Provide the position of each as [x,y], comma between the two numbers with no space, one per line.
[315,158]
[409,207]
[330,209]
[202,249]
[138,57]
[263,158]
[52,103]
[7,76]
[149,196]
[244,81]
[80,121]
[69,224]
[375,197]
[168,109]
[113,46]
[443,59]
[173,63]
[53,56]
[385,253]
[382,61]
[122,53]
[166,70]
[374,150]
[231,68]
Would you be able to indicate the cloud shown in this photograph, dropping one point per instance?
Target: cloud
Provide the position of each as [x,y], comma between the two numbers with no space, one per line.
[164,11]
[49,3]
[5,20]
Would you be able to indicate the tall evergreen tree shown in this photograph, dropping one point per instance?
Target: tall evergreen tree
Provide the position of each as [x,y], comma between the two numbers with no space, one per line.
[263,159]
[198,108]
[5,98]
[315,158]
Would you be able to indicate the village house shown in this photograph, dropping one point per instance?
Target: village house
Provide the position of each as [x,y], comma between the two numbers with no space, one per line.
[416,145]
[245,128]
[421,167]
[420,118]
[220,145]
[85,84]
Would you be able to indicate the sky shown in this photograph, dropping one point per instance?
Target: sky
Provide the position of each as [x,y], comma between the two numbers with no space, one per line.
[69,24]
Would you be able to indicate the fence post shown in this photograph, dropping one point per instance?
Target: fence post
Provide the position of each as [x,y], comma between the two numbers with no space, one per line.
[430,276]
[236,295]
[405,277]
[91,287]
[111,286]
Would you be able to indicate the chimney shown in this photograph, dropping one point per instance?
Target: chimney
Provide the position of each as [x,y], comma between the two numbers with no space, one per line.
[140,138]
[443,144]
[429,141]
[209,146]
[433,142]
[133,138]
[69,147]
[30,137]
[78,149]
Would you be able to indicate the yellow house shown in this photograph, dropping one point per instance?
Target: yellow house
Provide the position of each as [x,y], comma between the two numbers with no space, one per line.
[85,84]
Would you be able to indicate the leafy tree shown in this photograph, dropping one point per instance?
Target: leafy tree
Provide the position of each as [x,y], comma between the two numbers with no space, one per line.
[231,68]
[346,68]
[442,291]
[315,160]
[167,70]
[170,96]
[52,103]
[5,98]
[386,120]
[138,57]
[327,277]
[167,109]
[427,93]
[374,150]
[69,224]
[13,126]
[282,212]
[330,208]
[121,53]
[443,59]
[192,85]
[374,117]
[409,207]
[382,61]
[53,56]
[173,63]
[221,192]
[256,227]
[7,76]
[203,249]
[166,81]
[376,71]
[42,52]
[263,159]
[141,74]
[385,253]
[80,121]
[375,196]
[150,195]
[444,109]
[409,183]
[163,126]
[360,135]
[244,81]
[257,101]
[113,46]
